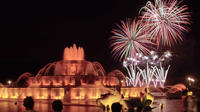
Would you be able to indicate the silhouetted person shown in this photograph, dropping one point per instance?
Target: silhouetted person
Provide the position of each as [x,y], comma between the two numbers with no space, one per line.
[116,107]
[57,106]
[29,104]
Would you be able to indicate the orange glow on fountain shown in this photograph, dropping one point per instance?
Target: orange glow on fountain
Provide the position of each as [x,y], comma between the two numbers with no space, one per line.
[71,79]
[73,53]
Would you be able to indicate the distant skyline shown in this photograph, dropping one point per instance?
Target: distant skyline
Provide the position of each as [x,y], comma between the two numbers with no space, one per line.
[36,33]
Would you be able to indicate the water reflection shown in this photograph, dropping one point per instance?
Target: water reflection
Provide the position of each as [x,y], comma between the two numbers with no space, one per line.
[41,106]
[169,105]
[11,106]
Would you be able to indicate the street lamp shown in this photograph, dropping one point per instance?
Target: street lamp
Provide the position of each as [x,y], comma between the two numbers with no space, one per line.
[190,82]
[9,82]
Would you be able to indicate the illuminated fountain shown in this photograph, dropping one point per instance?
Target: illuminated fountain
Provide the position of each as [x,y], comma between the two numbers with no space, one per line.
[73,53]
[73,79]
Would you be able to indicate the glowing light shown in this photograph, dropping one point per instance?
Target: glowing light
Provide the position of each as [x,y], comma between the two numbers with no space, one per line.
[9,82]
[165,21]
[152,52]
[191,79]
[58,97]
[155,57]
[189,93]
[167,54]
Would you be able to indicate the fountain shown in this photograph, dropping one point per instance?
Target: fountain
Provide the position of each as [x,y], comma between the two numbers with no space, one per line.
[73,53]
[72,79]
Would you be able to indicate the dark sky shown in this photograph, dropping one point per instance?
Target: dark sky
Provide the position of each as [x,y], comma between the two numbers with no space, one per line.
[35,32]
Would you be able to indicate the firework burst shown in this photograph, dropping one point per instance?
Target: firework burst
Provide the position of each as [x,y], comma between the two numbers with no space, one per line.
[165,21]
[130,38]
[153,72]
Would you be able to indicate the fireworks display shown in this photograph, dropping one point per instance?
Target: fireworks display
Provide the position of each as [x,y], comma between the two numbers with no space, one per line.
[130,39]
[147,69]
[161,23]
[166,21]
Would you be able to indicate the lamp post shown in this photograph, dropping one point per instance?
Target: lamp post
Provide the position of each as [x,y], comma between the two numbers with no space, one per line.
[191,98]
[190,83]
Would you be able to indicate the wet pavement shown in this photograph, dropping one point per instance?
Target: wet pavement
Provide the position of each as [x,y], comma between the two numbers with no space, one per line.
[175,105]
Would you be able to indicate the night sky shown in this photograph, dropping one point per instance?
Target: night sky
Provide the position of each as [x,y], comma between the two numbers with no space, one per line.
[35,32]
